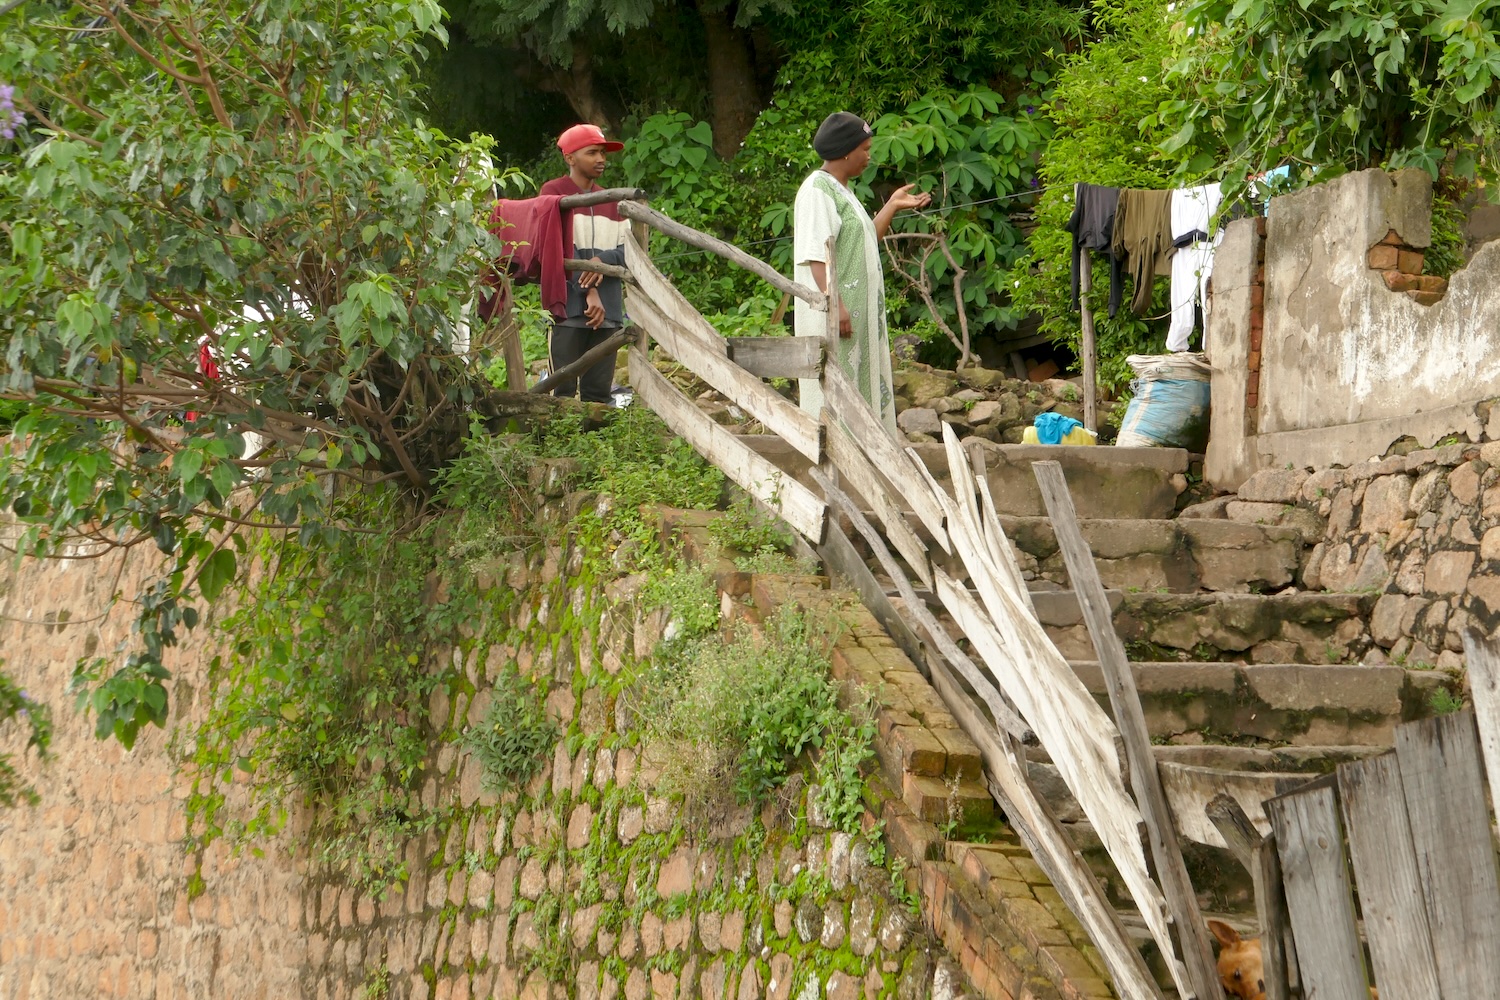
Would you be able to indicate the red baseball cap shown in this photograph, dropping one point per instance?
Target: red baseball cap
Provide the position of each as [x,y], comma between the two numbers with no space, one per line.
[582,136]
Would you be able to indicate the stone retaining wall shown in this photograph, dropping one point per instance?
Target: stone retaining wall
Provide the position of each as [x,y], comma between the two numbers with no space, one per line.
[587,884]
[1419,532]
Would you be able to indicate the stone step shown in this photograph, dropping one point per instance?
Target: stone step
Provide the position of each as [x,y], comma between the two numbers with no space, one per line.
[1140,483]
[1297,703]
[1289,627]
[1105,482]
[1177,556]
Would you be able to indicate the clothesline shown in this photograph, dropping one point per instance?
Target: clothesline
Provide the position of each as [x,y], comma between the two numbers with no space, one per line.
[944,209]
[1150,233]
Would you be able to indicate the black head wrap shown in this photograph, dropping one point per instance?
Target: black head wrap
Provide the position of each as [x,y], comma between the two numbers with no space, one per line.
[840,134]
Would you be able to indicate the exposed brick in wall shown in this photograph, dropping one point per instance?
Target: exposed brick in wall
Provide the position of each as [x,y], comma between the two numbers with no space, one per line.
[1257,320]
[1400,266]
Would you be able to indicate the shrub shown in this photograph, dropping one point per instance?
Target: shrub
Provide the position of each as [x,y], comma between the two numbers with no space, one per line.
[516,736]
[727,721]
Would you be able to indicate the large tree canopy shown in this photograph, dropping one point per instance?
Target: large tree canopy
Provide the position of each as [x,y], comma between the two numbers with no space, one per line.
[247,188]
[1335,85]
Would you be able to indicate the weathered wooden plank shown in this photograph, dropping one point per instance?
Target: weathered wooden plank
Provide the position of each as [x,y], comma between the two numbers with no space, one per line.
[778,357]
[600,197]
[916,609]
[852,464]
[796,504]
[1450,831]
[1192,934]
[1080,738]
[779,416]
[1190,788]
[994,532]
[595,267]
[1258,854]
[841,401]
[844,562]
[1311,847]
[1030,817]
[585,361]
[653,286]
[1482,659]
[641,213]
[1087,348]
[1385,869]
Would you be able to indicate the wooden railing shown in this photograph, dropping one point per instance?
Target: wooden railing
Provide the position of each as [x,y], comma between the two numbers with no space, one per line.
[1023,689]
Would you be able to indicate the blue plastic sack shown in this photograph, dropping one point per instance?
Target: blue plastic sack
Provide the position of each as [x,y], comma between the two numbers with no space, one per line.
[1166,413]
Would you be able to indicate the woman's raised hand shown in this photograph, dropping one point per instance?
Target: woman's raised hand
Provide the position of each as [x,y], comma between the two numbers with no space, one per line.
[903,198]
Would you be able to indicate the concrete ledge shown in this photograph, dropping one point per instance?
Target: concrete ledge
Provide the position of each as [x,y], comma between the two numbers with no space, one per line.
[1349,444]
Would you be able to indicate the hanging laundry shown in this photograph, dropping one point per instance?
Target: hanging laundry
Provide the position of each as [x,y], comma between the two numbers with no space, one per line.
[1143,240]
[1193,210]
[1092,225]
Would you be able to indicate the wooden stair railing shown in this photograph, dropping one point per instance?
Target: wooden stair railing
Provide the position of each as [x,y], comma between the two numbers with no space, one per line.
[1024,684]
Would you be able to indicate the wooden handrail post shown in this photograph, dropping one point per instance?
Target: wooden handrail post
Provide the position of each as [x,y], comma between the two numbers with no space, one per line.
[1090,352]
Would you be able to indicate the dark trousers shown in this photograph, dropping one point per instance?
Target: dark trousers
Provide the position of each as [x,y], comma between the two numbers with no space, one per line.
[569,343]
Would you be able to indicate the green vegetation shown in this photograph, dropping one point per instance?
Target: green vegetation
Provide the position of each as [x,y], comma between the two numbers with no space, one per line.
[727,720]
[515,736]
[748,529]
[324,692]
[290,207]
[1099,134]
[16,706]
[1332,87]
[1446,702]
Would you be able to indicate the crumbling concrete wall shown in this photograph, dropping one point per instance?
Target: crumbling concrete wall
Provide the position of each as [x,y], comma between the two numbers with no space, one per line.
[1334,356]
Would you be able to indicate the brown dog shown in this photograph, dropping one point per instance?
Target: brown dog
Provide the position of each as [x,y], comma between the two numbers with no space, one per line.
[1241,965]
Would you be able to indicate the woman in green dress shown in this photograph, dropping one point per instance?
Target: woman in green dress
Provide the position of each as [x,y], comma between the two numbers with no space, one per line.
[825,208]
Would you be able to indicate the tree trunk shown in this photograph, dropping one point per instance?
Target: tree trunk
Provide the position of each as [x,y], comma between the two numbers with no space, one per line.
[734,95]
[577,85]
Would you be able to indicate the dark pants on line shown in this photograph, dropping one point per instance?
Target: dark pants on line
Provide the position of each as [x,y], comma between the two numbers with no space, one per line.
[569,343]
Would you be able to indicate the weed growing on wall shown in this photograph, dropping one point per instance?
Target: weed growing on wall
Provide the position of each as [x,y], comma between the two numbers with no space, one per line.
[36,720]
[746,527]
[515,736]
[322,696]
[727,721]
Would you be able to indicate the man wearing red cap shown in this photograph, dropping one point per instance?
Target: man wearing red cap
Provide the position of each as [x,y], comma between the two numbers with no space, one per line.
[596,304]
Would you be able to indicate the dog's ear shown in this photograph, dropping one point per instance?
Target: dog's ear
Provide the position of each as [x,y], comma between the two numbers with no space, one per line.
[1227,936]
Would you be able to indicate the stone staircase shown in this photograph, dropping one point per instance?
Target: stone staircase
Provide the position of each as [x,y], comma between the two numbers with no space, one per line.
[1248,681]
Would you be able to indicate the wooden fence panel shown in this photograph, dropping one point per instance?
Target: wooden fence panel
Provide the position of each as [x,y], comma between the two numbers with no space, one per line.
[1311,845]
[1192,935]
[667,299]
[1257,852]
[1450,830]
[843,402]
[870,484]
[1385,869]
[1482,658]
[796,504]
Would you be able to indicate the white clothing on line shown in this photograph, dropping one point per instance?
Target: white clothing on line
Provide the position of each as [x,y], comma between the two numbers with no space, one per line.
[1192,210]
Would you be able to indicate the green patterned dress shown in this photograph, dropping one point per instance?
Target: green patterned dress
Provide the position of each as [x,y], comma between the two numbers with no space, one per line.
[825,208]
